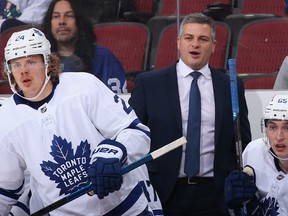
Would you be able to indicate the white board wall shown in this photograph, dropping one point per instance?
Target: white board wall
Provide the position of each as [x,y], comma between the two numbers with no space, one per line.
[256,101]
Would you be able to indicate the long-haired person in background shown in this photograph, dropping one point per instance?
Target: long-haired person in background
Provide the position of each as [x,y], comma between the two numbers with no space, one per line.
[72,37]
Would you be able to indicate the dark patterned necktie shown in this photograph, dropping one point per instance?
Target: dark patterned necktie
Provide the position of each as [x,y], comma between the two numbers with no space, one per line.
[192,156]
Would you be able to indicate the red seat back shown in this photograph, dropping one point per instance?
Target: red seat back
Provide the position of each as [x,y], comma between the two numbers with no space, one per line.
[128,41]
[262,46]
[168,7]
[167,52]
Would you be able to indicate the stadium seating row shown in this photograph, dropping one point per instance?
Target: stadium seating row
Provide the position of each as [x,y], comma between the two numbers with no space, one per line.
[254,34]
[216,8]
[131,43]
[259,50]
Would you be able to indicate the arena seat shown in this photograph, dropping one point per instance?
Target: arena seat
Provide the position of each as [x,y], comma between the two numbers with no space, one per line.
[262,46]
[261,81]
[168,7]
[130,42]
[145,9]
[260,50]
[276,7]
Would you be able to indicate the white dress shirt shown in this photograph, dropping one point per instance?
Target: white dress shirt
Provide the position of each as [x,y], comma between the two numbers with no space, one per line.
[207,146]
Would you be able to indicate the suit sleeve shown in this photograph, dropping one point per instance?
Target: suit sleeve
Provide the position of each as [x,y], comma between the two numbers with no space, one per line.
[243,114]
[138,101]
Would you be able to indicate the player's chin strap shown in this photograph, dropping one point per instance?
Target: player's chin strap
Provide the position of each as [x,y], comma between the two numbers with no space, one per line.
[266,140]
[47,78]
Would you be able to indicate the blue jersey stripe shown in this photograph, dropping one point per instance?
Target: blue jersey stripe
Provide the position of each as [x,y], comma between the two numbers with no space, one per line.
[127,204]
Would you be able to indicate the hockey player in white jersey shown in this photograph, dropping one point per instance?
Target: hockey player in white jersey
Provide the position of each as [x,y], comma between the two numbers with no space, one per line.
[264,191]
[63,132]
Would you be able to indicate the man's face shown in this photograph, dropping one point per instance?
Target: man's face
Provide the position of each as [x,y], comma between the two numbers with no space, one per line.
[196,45]
[63,23]
[277,133]
[29,74]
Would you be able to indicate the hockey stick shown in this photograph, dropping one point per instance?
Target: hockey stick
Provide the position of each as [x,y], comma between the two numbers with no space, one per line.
[153,155]
[237,133]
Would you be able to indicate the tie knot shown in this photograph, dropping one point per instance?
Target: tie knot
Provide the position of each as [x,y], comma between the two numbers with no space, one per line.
[195,74]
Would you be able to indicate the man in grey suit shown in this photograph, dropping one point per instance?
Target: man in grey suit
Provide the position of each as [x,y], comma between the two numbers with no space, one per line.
[161,101]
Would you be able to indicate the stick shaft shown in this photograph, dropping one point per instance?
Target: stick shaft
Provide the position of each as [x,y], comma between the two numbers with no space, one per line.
[234,88]
[153,155]
[235,110]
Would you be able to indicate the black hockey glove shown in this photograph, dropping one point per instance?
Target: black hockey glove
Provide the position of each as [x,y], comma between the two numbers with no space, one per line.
[239,187]
[105,169]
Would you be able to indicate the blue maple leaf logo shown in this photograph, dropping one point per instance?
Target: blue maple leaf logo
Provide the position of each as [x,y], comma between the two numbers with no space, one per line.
[269,206]
[70,170]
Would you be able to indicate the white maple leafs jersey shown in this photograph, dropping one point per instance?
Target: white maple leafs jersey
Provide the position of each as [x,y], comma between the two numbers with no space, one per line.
[54,144]
[271,183]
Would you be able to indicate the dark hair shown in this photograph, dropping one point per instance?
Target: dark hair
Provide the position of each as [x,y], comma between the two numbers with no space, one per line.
[198,18]
[84,47]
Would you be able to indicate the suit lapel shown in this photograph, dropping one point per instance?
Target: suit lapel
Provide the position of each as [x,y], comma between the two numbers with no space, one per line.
[172,90]
[219,95]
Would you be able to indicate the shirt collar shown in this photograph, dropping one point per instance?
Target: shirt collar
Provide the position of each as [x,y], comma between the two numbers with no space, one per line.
[185,70]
